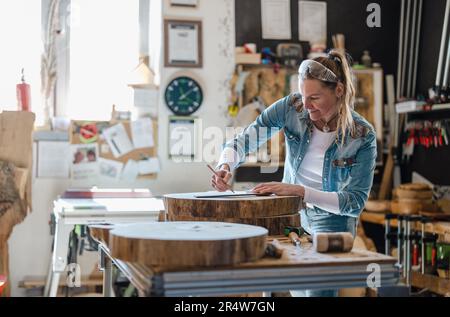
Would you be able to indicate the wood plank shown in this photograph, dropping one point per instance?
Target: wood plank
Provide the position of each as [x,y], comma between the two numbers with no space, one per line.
[303,256]
[16,146]
[39,281]
[435,284]
[293,256]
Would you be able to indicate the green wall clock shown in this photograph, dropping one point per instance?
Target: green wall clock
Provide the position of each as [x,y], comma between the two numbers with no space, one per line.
[183,96]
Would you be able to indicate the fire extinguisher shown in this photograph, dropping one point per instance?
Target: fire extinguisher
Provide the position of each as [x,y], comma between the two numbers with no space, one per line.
[23,91]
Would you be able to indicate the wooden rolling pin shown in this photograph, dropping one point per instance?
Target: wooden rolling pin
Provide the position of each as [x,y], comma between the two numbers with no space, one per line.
[333,242]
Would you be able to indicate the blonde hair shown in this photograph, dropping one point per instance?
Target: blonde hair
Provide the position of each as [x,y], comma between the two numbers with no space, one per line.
[339,63]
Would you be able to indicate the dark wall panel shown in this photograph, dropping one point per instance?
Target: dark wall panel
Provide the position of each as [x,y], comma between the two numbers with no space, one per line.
[349,17]
[343,16]
[433,20]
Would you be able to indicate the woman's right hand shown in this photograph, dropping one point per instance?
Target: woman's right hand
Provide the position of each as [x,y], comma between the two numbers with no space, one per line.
[220,181]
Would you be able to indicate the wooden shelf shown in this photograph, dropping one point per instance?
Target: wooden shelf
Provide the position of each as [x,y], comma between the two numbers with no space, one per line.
[433,283]
[440,227]
[433,114]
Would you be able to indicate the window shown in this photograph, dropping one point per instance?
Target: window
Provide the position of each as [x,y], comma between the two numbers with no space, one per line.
[21,47]
[104,49]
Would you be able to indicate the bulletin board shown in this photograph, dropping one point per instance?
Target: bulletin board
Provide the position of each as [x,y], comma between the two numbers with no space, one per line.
[83,132]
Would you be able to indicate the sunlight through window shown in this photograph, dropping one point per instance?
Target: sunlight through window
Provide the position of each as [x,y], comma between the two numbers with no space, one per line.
[21,47]
[103,52]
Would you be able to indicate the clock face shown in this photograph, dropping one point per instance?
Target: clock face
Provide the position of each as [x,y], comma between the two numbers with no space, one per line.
[183,96]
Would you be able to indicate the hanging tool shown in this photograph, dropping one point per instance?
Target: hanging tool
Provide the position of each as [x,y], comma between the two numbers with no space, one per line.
[409,38]
[438,84]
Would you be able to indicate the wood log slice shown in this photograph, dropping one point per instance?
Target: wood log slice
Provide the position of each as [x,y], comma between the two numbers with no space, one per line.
[183,244]
[275,225]
[378,205]
[100,233]
[413,194]
[411,207]
[414,186]
[230,207]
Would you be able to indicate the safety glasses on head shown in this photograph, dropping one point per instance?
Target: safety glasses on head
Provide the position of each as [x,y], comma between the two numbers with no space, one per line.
[317,71]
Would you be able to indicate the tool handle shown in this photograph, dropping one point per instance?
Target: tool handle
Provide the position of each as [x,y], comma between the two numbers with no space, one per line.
[294,238]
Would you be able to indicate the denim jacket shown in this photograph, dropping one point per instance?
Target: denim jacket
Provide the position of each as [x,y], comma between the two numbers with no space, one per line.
[348,169]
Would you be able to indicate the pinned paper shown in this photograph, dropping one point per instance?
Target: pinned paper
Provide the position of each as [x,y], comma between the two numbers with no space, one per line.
[118,140]
[130,171]
[53,159]
[84,153]
[109,169]
[142,133]
[149,166]
[84,161]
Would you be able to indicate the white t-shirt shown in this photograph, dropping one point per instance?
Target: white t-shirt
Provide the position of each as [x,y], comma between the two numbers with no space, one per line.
[310,171]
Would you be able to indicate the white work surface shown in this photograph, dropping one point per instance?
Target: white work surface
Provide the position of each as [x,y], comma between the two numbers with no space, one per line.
[69,212]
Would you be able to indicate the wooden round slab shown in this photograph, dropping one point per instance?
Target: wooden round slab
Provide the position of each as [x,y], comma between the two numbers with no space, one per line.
[378,205]
[230,207]
[275,225]
[100,233]
[187,243]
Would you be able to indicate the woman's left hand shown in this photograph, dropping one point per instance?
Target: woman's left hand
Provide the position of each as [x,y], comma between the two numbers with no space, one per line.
[279,189]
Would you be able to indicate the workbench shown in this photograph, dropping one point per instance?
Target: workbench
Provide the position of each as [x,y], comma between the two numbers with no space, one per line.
[69,212]
[300,268]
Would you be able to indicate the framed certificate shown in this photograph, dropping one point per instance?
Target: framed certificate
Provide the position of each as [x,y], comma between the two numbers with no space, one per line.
[183,43]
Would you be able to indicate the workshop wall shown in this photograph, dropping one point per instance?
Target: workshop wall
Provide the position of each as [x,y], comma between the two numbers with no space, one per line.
[30,243]
[218,64]
[344,16]
[349,17]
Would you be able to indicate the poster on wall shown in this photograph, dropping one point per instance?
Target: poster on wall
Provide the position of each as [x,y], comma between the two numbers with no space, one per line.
[312,22]
[276,19]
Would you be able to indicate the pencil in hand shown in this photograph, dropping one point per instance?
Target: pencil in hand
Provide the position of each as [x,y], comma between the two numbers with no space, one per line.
[215,173]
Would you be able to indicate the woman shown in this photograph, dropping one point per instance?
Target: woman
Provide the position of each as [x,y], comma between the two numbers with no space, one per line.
[330,149]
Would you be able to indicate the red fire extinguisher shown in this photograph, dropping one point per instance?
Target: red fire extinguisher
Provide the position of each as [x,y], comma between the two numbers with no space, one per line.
[23,95]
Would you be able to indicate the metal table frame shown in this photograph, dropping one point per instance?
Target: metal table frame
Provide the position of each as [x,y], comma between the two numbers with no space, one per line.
[217,281]
[67,218]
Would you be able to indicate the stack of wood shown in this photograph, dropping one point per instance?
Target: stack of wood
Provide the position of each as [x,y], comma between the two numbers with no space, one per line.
[16,143]
[271,212]
[413,198]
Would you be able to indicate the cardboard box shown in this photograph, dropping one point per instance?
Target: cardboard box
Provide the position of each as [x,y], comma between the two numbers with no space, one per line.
[242,58]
